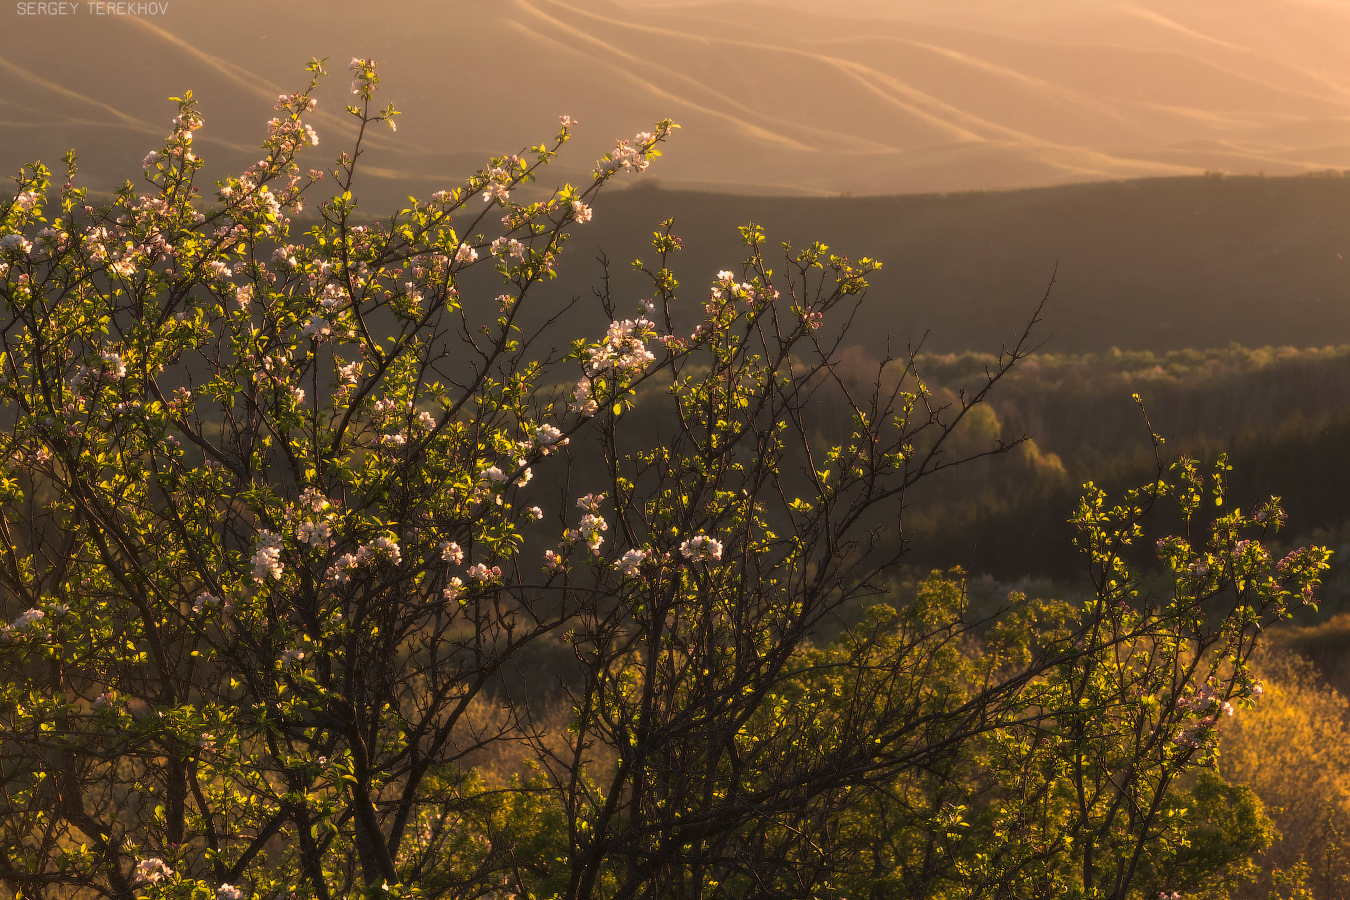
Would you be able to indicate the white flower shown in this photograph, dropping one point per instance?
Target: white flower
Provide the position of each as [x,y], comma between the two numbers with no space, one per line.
[589,530]
[16,242]
[509,246]
[152,870]
[333,295]
[318,534]
[229,892]
[465,254]
[313,499]
[701,547]
[388,547]
[207,603]
[582,401]
[114,365]
[25,622]
[524,478]
[547,435]
[267,558]
[454,591]
[492,473]
[580,211]
[535,513]
[318,327]
[452,553]
[290,657]
[628,563]
[340,572]
[349,373]
[553,562]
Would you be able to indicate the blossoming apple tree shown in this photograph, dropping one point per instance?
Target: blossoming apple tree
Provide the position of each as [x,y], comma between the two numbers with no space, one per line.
[284,513]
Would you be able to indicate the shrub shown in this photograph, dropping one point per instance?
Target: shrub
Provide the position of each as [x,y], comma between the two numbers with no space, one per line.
[273,510]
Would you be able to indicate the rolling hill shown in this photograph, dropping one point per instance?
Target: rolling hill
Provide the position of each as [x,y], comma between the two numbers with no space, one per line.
[775,98]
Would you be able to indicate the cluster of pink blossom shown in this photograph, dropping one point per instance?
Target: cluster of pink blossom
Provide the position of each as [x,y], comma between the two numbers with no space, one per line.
[229,892]
[701,547]
[726,290]
[581,213]
[341,570]
[454,591]
[484,573]
[290,657]
[290,135]
[627,154]
[1209,706]
[582,401]
[452,553]
[554,561]
[1269,513]
[497,186]
[1250,553]
[1295,560]
[623,349]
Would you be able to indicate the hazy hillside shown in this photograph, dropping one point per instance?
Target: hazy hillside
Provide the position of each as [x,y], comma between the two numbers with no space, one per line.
[1157,264]
[805,97]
